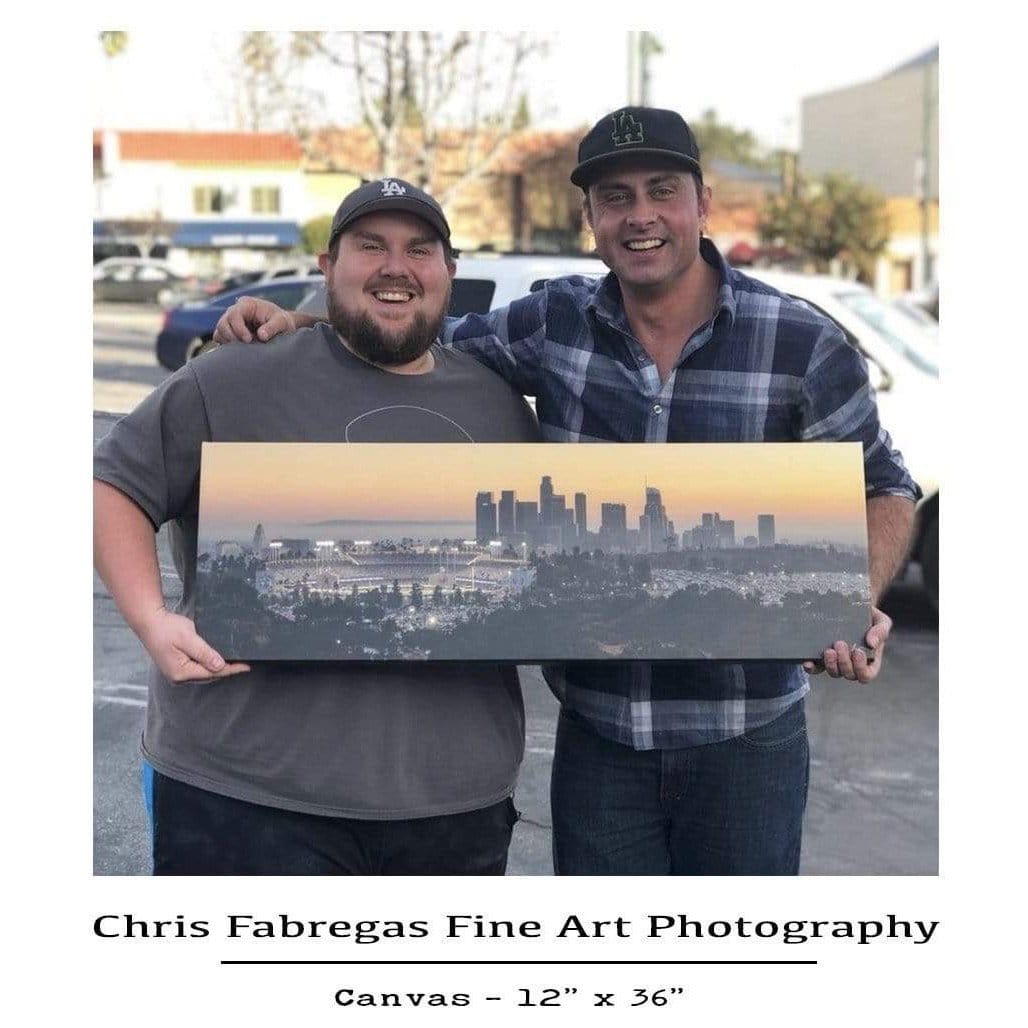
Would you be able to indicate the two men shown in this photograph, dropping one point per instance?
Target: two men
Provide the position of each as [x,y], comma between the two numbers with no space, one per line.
[688,768]
[308,769]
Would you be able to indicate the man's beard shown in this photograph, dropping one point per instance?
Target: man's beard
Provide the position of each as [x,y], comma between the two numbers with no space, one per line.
[390,349]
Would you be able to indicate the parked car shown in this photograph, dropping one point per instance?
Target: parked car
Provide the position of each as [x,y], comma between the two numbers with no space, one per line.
[901,356]
[135,280]
[927,299]
[291,269]
[903,366]
[917,314]
[487,281]
[213,287]
[107,248]
[187,329]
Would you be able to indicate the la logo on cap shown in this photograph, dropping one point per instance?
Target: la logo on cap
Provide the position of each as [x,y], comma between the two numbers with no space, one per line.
[391,188]
[626,129]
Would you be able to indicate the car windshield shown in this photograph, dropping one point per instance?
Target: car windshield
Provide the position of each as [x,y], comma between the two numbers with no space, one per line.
[919,316]
[901,332]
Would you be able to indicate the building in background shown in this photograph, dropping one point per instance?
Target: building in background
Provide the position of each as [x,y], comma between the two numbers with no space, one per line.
[738,195]
[581,515]
[207,201]
[526,518]
[885,134]
[485,517]
[522,198]
[614,524]
[505,523]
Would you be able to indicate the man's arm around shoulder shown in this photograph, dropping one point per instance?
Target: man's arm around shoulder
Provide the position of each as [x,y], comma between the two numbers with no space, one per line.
[251,319]
[125,555]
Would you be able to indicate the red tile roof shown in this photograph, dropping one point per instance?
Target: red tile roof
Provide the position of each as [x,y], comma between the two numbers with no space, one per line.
[217,147]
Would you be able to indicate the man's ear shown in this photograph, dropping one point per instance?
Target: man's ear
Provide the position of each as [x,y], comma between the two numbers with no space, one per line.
[324,262]
[587,210]
[451,266]
[705,198]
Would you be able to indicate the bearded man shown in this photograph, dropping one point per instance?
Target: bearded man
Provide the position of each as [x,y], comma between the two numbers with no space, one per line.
[315,769]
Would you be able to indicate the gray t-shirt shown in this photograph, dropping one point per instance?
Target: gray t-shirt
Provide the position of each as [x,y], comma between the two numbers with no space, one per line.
[379,742]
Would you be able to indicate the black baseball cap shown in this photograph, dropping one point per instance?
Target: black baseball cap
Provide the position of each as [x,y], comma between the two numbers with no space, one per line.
[632,131]
[389,194]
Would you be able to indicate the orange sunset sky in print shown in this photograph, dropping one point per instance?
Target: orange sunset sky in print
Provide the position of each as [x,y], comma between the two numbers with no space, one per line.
[815,490]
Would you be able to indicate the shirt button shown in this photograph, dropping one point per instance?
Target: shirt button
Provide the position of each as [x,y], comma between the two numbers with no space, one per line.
[657,409]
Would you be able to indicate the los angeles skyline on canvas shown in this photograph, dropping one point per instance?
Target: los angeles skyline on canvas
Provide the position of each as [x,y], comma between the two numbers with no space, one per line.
[528,552]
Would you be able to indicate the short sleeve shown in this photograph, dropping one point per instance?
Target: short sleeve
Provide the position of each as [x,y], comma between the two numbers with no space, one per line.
[152,455]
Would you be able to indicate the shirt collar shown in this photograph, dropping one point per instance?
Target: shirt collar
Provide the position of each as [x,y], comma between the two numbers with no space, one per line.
[606,301]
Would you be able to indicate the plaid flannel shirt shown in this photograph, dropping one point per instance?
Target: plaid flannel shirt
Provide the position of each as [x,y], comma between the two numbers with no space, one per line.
[766,367]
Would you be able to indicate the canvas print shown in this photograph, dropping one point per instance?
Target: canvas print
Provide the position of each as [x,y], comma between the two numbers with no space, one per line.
[522,552]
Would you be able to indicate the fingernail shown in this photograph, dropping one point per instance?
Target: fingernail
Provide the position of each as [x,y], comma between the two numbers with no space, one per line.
[218,663]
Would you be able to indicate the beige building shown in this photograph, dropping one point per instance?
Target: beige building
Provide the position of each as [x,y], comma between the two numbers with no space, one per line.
[885,133]
[210,200]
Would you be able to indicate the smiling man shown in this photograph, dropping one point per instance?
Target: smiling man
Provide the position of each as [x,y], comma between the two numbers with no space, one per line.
[692,767]
[316,769]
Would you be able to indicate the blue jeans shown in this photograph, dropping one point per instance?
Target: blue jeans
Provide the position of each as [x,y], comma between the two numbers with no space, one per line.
[727,808]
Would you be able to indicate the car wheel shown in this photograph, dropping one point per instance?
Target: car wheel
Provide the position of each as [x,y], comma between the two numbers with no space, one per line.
[930,560]
[197,346]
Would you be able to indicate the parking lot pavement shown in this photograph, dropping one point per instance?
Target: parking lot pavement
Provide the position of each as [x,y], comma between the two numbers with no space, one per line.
[125,369]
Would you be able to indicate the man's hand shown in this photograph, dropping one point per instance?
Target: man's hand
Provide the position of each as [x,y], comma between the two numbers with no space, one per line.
[840,661]
[250,320]
[180,654]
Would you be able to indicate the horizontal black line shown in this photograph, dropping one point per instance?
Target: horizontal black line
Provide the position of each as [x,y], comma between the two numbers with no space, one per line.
[517,963]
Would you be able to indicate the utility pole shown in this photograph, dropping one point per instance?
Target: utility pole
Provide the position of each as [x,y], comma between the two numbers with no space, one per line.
[648,46]
[641,47]
[925,169]
[634,84]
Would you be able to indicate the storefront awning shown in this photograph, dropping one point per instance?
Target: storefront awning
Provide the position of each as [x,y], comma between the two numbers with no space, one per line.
[224,234]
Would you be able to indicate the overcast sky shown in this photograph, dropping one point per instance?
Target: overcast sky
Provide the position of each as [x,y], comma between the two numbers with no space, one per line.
[754,72]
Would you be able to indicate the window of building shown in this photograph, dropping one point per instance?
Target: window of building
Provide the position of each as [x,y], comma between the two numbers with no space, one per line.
[208,200]
[264,200]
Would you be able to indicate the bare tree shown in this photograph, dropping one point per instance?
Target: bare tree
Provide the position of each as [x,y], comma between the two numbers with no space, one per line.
[428,95]
[270,92]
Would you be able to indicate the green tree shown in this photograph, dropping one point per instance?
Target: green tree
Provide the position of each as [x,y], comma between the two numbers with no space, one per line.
[315,233]
[719,139]
[437,596]
[416,599]
[828,219]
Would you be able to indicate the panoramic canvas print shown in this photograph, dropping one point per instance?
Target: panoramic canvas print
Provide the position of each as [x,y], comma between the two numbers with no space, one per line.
[531,552]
